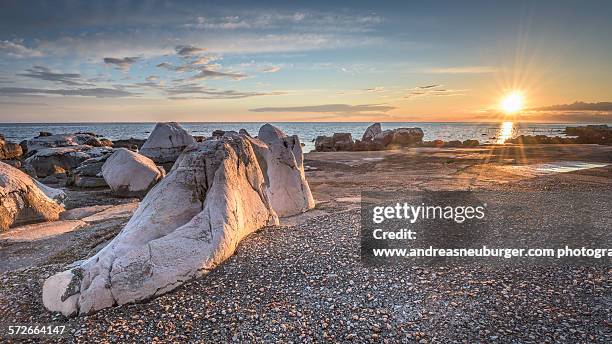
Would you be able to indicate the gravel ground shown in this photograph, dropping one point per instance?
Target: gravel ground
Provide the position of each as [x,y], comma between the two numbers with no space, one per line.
[306,284]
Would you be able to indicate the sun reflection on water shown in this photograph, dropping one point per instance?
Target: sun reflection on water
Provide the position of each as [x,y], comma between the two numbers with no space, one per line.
[505,132]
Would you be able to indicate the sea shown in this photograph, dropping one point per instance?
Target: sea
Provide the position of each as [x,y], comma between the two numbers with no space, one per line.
[306,131]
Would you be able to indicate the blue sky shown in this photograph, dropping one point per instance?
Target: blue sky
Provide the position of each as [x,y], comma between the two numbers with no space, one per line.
[276,61]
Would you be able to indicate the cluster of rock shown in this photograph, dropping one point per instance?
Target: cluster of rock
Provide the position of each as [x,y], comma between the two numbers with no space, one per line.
[218,192]
[541,139]
[599,134]
[373,139]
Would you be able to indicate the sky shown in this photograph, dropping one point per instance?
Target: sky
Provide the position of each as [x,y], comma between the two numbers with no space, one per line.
[198,61]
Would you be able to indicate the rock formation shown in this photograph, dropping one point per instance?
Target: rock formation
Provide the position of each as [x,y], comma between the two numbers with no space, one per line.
[62,140]
[287,189]
[371,131]
[9,150]
[166,142]
[130,174]
[49,161]
[218,192]
[22,201]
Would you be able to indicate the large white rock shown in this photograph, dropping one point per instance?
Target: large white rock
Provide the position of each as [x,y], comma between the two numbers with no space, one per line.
[130,174]
[166,142]
[22,201]
[191,221]
[287,187]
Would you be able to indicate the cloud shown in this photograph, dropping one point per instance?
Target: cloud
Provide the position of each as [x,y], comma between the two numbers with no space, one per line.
[577,106]
[270,69]
[462,70]
[84,92]
[378,89]
[330,108]
[16,49]
[213,74]
[432,90]
[44,73]
[124,63]
[188,50]
[428,86]
[203,60]
[195,91]
[152,78]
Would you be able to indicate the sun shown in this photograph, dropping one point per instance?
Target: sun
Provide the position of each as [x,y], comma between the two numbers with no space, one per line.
[512,102]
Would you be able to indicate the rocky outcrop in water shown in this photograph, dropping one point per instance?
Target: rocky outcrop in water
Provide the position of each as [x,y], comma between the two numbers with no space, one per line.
[166,143]
[218,192]
[22,201]
[373,139]
[130,174]
[599,134]
[63,140]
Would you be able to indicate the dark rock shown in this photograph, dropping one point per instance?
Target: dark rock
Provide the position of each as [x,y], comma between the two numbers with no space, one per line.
[400,137]
[199,138]
[324,144]
[89,182]
[94,142]
[471,143]
[367,146]
[44,133]
[131,144]
[244,132]
[600,134]
[218,133]
[14,163]
[343,142]
[106,142]
[454,143]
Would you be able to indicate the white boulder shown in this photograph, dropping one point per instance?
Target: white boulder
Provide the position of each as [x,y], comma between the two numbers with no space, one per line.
[287,187]
[22,201]
[130,174]
[190,222]
[166,142]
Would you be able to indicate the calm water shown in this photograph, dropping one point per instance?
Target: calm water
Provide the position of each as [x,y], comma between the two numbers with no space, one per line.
[483,132]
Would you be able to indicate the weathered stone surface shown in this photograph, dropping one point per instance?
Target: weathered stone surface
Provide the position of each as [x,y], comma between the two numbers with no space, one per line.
[343,141]
[57,195]
[131,144]
[470,143]
[218,133]
[400,137]
[368,146]
[371,131]
[166,142]
[130,174]
[9,150]
[324,144]
[62,140]
[113,212]
[22,201]
[190,222]
[80,213]
[338,142]
[49,161]
[287,188]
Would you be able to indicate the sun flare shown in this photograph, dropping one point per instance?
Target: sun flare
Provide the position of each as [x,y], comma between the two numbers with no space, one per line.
[512,102]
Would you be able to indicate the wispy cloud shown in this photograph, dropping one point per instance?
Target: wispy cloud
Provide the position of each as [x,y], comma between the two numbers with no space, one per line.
[17,49]
[44,73]
[378,89]
[188,50]
[97,92]
[330,109]
[432,90]
[270,69]
[577,106]
[195,91]
[462,70]
[122,63]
